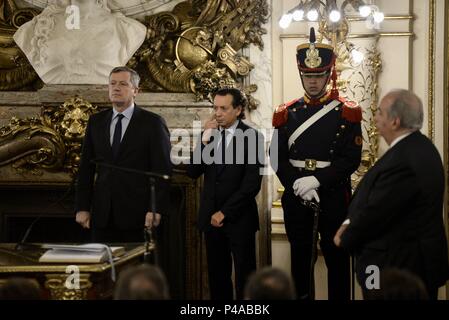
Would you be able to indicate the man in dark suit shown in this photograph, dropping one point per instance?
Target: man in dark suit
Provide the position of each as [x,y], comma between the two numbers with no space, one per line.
[125,136]
[396,216]
[228,213]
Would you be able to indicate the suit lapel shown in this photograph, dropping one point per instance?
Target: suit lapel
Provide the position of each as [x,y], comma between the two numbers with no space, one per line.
[106,128]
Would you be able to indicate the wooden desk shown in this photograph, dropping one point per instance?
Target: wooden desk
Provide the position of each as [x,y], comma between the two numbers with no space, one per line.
[95,279]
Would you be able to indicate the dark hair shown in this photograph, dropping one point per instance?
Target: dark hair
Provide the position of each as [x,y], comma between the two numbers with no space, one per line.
[143,282]
[134,76]
[20,289]
[239,98]
[270,284]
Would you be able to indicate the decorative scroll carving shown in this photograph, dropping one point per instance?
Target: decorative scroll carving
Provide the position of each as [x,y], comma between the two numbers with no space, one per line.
[15,71]
[360,83]
[51,141]
[195,48]
[56,283]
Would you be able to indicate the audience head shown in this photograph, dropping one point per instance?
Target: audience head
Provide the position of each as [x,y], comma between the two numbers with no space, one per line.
[20,289]
[397,284]
[143,282]
[270,284]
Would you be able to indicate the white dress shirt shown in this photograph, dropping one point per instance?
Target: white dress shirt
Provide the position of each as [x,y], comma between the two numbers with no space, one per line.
[396,141]
[128,113]
[229,134]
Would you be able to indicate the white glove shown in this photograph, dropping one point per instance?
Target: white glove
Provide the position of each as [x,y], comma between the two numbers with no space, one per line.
[303,185]
[312,194]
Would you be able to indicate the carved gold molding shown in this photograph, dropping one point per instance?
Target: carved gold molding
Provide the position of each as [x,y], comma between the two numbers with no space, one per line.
[50,141]
[446,123]
[431,79]
[197,46]
[15,70]
[56,284]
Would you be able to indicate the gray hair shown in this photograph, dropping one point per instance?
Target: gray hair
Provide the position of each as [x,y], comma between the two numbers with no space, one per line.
[135,78]
[407,107]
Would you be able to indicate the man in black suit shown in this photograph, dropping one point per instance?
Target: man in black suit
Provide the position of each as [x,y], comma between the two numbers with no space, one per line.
[396,216]
[228,213]
[125,136]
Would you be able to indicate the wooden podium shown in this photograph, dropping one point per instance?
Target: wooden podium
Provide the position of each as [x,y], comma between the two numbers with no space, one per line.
[95,280]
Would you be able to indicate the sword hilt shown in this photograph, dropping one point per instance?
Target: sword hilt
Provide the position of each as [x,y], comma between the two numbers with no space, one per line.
[312,205]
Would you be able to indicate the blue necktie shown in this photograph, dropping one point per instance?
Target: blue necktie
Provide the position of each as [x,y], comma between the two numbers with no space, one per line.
[117,135]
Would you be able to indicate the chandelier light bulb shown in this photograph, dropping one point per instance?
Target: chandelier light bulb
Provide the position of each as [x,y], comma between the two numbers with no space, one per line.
[298,15]
[335,16]
[365,11]
[285,21]
[312,15]
[357,56]
[378,17]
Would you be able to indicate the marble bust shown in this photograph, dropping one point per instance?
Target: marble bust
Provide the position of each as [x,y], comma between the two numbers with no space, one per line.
[63,55]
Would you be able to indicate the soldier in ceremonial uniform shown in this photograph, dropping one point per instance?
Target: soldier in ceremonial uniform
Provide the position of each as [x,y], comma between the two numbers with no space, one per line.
[319,145]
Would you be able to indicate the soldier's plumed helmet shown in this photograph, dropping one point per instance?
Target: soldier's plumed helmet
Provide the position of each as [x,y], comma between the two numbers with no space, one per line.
[315,58]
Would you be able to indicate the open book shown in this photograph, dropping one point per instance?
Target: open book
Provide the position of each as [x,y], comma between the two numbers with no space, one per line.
[84,253]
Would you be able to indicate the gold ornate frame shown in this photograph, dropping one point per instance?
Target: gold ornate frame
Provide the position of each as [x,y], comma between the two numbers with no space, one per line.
[431,80]
[446,121]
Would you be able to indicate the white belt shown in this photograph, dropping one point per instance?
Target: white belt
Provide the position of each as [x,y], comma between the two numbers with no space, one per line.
[310,164]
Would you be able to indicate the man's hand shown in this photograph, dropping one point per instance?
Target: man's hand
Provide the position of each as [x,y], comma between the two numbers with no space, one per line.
[209,126]
[303,185]
[152,220]
[312,194]
[217,219]
[83,218]
[337,237]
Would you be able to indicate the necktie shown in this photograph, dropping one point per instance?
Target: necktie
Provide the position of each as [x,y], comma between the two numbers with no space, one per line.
[117,135]
[223,146]
[222,153]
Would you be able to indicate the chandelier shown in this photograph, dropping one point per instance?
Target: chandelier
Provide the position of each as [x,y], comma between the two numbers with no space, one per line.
[329,11]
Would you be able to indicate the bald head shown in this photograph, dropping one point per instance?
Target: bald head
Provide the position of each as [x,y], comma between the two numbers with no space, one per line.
[407,107]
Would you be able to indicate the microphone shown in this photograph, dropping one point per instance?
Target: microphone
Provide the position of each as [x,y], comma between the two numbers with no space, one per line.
[149,256]
[20,245]
[101,163]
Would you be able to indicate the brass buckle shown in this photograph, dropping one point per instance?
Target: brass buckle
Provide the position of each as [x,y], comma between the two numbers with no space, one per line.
[310,164]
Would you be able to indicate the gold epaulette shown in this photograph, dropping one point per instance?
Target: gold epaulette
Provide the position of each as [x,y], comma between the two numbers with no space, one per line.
[351,111]
[280,115]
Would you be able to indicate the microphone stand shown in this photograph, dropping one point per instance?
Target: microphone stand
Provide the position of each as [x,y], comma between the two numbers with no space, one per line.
[22,244]
[150,238]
